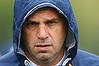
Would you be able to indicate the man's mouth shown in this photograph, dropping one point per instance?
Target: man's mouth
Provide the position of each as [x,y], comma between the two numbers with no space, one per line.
[42,46]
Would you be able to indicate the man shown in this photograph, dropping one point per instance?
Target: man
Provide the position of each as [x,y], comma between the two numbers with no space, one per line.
[45,34]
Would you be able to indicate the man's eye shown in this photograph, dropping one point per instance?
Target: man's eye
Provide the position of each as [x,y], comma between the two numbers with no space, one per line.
[50,23]
[32,24]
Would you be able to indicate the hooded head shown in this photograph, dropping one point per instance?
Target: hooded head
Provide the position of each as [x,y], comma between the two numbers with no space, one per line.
[23,10]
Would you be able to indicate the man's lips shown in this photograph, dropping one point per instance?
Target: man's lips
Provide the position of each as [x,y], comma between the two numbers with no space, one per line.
[42,46]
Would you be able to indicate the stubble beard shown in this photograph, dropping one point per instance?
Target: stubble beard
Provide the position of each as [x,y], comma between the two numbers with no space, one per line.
[44,57]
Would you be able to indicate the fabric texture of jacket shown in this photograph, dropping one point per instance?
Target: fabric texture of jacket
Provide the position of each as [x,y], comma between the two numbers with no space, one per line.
[23,9]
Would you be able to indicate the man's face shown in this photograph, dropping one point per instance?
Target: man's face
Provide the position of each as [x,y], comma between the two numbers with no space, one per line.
[43,35]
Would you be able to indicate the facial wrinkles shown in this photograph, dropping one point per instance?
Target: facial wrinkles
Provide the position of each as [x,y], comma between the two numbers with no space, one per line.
[42,27]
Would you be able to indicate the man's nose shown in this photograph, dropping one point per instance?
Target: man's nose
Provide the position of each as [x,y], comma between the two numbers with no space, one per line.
[42,32]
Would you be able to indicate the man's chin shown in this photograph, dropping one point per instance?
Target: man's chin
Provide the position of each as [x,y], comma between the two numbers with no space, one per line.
[44,57]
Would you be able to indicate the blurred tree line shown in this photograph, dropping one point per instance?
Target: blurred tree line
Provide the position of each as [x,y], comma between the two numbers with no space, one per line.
[86,14]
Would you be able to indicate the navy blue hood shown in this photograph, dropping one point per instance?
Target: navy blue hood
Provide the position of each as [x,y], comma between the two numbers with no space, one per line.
[24,8]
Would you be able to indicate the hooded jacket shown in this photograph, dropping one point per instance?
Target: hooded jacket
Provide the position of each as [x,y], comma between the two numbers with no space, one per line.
[23,9]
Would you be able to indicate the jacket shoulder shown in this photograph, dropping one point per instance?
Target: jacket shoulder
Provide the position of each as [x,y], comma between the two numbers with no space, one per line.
[9,59]
[84,58]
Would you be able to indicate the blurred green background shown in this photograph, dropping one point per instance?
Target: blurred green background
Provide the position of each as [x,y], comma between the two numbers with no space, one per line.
[86,14]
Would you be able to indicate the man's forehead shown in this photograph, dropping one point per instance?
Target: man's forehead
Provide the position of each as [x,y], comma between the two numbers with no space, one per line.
[45,11]
[56,15]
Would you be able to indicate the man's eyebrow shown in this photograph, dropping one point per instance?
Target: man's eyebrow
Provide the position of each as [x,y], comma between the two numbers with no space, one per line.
[49,20]
[54,19]
[29,20]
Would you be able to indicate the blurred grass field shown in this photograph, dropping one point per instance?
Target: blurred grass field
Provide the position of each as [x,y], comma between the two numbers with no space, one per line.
[86,14]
